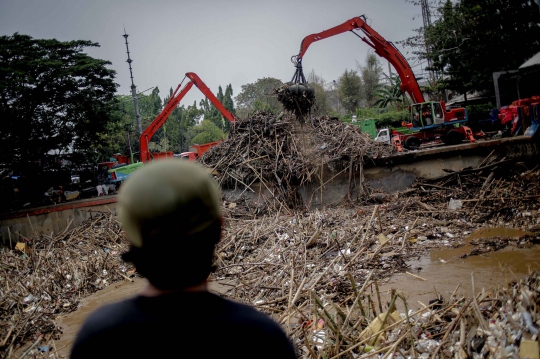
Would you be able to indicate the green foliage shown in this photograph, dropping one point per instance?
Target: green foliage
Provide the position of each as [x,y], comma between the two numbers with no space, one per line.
[392,118]
[228,99]
[258,94]
[210,112]
[350,90]
[382,117]
[322,104]
[206,132]
[52,97]
[162,146]
[371,73]
[150,106]
[472,39]
[389,94]
[370,112]
[189,118]
[149,109]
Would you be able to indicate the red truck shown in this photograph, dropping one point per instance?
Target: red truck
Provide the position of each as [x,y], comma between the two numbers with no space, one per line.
[196,151]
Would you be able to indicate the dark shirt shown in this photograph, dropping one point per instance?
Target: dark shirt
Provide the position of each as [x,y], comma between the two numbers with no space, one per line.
[189,325]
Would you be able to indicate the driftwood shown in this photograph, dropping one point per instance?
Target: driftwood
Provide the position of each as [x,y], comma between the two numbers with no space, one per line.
[279,155]
[53,275]
[316,272]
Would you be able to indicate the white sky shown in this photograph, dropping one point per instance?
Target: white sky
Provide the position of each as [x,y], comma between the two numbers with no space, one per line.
[228,41]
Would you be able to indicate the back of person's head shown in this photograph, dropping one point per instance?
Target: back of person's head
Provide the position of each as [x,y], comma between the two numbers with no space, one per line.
[170,211]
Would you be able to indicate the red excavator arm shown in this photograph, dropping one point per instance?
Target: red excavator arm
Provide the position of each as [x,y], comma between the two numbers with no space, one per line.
[382,48]
[171,105]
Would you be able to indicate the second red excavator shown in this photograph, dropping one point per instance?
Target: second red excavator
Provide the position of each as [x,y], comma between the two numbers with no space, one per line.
[432,119]
[174,100]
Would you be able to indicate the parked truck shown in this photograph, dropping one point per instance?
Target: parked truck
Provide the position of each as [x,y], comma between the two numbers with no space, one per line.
[196,151]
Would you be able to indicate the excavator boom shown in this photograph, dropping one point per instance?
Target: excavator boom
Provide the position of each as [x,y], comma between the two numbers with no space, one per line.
[382,48]
[172,104]
[206,91]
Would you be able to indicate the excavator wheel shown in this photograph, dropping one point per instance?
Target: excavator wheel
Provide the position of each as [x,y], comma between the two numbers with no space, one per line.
[412,143]
[453,137]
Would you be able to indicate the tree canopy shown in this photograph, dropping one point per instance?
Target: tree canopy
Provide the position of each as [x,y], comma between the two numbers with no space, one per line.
[53,97]
[471,39]
[322,105]
[371,72]
[258,96]
[350,90]
[206,132]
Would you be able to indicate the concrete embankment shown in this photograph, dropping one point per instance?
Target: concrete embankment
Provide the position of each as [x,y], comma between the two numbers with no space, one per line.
[51,220]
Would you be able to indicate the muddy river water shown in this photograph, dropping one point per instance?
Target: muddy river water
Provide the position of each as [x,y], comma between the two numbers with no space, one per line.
[442,272]
[449,270]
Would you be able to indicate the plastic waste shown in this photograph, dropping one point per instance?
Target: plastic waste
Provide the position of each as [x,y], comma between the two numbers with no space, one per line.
[426,345]
[528,321]
[29,299]
[454,204]
[477,343]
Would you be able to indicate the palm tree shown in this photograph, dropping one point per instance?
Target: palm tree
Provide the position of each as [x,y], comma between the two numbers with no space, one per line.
[391,93]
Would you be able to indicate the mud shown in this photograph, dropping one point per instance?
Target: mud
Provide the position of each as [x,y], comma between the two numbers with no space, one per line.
[446,271]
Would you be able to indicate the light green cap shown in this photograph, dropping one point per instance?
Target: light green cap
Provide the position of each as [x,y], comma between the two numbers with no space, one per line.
[165,188]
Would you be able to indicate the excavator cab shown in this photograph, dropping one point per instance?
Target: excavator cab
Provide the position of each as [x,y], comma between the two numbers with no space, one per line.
[426,114]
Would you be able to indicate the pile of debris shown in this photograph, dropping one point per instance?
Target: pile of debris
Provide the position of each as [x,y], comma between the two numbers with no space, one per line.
[47,276]
[279,154]
[499,189]
[318,274]
[296,98]
[341,140]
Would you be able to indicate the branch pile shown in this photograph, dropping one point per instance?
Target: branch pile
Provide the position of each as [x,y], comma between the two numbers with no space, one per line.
[53,275]
[279,153]
[499,190]
[318,274]
[295,98]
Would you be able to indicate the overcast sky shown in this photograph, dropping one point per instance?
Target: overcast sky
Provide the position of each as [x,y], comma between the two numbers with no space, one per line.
[224,42]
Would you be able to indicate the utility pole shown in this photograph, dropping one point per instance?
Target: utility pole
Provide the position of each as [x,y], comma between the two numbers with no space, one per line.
[426,17]
[133,87]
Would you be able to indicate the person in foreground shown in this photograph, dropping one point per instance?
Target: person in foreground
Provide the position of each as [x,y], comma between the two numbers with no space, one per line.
[170,211]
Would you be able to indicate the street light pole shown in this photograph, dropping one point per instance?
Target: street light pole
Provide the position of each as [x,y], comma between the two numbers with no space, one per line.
[133,88]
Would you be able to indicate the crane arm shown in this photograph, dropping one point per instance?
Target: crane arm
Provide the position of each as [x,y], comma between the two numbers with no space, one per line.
[206,91]
[173,102]
[382,48]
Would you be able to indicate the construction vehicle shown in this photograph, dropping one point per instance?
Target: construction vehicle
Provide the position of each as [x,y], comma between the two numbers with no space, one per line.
[430,120]
[520,117]
[175,99]
[196,151]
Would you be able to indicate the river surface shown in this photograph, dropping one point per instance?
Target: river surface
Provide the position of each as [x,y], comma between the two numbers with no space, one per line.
[441,273]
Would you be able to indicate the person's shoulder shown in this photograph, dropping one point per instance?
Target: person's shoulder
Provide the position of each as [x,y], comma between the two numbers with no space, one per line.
[258,330]
[111,314]
[248,316]
[102,326]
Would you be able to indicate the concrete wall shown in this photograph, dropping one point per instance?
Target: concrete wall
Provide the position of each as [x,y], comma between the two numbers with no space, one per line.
[390,175]
[48,223]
